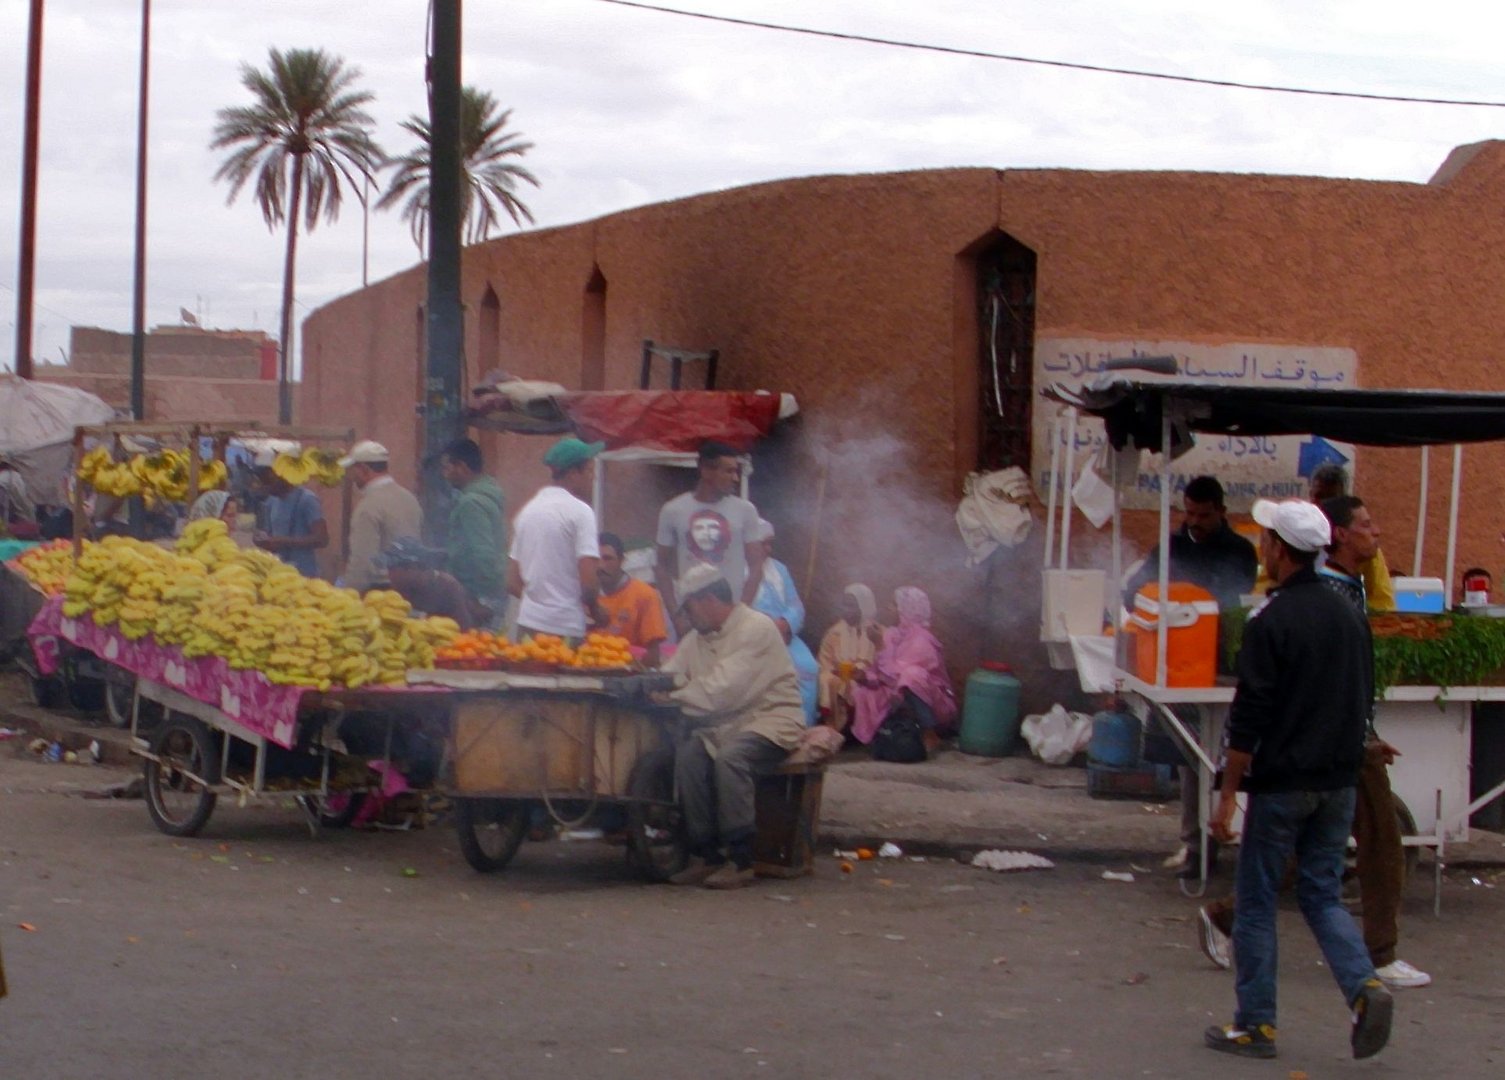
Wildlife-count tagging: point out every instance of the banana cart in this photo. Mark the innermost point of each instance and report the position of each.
(1432, 725)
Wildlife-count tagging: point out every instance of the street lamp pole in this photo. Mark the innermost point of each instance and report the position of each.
(26, 273)
(138, 292)
(441, 398)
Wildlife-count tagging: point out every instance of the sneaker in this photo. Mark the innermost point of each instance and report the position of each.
(696, 872)
(1255, 1042)
(729, 876)
(1177, 859)
(1214, 942)
(1372, 1009)
(1399, 975)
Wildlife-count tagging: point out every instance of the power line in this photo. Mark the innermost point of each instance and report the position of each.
(1068, 64)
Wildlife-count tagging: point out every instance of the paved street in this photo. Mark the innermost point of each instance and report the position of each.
(257, 951)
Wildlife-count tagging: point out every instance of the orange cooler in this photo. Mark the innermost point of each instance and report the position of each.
(1191, 643)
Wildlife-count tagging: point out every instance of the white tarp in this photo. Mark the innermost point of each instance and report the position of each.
(36, 430)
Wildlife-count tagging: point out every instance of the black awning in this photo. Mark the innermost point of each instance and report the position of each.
(1132, 412)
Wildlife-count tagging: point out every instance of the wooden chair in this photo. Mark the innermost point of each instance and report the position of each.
(677, 359)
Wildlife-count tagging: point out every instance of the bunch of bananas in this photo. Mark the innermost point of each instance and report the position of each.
(211, 598)
(47, 566)
(315, 463)
(163, 475)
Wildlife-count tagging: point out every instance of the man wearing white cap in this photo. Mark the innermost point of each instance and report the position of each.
(290, 521)
(739, 686)
(1295, 744)
(384, 513)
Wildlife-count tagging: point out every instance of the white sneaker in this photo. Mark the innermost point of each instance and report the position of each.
(1214, 942)
(1177, 859)
(1399, 975)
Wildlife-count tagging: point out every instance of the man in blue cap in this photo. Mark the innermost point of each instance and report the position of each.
(554, 547)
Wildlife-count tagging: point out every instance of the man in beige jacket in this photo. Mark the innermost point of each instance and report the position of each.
(737, 683)
(384, 513)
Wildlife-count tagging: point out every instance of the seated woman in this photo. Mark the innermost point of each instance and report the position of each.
(847, 646)
(908, 670)
(778, 600)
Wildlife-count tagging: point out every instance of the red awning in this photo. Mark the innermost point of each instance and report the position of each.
(674, 420)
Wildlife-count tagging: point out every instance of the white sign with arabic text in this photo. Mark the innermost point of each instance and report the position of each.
(1248, 467)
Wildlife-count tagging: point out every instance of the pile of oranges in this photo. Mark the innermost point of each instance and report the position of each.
(603, 651)
(47, 566)
(483, 650)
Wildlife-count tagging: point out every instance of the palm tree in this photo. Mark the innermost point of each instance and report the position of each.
(489, 179)
(306, 134)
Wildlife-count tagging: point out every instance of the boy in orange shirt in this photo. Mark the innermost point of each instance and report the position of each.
(633, 609)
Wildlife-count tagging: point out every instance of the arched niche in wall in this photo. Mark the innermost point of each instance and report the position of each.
(994, 353)
(489, 346)
(593, 333)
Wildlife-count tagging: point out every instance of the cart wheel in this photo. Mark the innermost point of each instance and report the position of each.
(491, 830)
(657, 846)
(336, 811)
(46, 691)
(179, 804)
(87, 695)
(119, 697)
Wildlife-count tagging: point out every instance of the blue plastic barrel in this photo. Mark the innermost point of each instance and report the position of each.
(1115, 740)
(990, 712)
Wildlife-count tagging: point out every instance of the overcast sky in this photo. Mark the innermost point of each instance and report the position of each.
(630, 107)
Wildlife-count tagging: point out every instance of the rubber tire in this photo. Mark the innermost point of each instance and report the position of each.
(46, 691)
(340, 819)
(86, 695)
(653, 778)
(472, 815)
(203, 752)
(119, 698)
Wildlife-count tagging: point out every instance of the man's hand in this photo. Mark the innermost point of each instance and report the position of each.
(1387, 753)
(267, 543)
(1221, 825)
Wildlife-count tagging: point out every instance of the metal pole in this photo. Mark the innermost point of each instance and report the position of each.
(26, 273)
(441, 403)
(138, 295)
(1161, 632)
(1447, 582)
(1421, 511)
(1067, 478)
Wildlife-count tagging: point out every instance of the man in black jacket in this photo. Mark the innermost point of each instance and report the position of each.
(1296, 734)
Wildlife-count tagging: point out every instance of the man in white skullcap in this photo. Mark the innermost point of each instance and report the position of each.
(737, 683)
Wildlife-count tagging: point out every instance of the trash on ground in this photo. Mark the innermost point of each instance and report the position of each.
(846, 867)
(865, 854)
(1114, 875)
(890, 851)
(9, 733)
(27, 927)
(409, 871)
(1011, 860)
(840, 854)
(582, 834)
(1139, 978)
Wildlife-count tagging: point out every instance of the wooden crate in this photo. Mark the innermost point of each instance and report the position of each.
(788, 815)
(525, 745)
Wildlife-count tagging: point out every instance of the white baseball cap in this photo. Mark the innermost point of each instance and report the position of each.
(365, 452)
(697, 579)
(1299, 523)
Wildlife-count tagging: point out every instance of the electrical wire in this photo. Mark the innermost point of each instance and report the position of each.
(1100, 69)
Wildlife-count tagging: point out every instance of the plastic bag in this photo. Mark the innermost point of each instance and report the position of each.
(1058, 736)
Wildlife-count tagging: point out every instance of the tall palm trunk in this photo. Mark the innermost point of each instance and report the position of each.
(284, 367)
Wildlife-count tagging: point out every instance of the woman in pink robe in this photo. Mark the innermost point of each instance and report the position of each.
(909, 660)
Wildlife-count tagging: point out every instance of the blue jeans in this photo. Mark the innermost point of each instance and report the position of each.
(1315, 825)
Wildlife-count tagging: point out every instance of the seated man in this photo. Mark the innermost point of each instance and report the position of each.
(740, 688)
(633, 609)
(412, 568)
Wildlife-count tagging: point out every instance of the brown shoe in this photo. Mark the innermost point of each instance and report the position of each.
(696, 872)
(729, 876)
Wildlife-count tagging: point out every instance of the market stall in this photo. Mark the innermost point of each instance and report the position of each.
(1431, 722)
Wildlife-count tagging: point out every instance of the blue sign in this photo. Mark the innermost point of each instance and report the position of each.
(1316, 453)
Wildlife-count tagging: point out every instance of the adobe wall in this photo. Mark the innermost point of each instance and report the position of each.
(856, 294)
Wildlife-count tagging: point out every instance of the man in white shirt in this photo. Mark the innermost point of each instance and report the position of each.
(384, 513)
(554, 548)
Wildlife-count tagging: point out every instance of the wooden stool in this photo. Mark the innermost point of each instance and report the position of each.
(787, 803)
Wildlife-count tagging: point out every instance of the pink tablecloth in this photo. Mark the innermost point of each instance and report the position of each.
(246, 697)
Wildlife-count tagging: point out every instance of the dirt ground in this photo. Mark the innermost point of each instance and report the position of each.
(256, 950)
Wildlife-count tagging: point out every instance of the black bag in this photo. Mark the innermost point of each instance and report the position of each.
(900, 737)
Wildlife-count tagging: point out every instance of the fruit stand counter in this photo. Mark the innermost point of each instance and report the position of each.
(564, 744)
